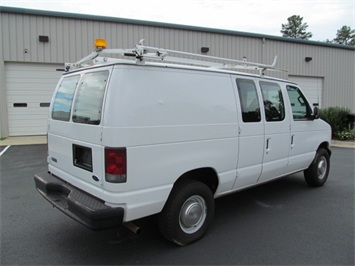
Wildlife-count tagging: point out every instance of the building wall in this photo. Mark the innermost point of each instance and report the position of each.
(336, 67)
(71, 37)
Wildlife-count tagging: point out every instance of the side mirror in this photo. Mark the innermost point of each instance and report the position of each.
(315, 112)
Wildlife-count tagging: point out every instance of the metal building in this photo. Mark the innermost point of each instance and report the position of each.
(35, 43)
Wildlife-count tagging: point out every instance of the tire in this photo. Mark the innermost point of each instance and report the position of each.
(187, 213)
(317, 173)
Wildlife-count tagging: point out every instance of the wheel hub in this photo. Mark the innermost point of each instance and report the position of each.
(192, 214)
(322, 168)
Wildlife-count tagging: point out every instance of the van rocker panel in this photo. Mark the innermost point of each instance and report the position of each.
(78, 205)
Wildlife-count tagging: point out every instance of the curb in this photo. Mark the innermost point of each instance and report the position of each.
(24, 140)
(343, 144)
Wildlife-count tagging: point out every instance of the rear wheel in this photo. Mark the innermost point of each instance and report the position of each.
(317, 173)
(187, 213)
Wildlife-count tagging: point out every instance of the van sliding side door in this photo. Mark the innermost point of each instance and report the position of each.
(277, 130)
(251, 132)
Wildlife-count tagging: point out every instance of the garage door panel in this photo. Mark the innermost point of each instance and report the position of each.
(39, 123)
(311, 86)
(30, 113)
(29, 130)
(29, 90)
(22, 85)
(25, 98)
(31, 124)
(19, 69)
(41, 120)
(30, 99)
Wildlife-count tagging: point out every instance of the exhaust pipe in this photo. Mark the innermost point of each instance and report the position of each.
(133, 228)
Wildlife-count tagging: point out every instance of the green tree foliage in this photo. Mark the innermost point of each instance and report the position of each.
(295, 28)
(345, 36)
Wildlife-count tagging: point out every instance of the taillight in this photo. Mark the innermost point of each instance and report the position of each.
(116, 165)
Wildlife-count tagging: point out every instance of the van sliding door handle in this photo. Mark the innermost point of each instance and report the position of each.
(292, 140)
(267, 145)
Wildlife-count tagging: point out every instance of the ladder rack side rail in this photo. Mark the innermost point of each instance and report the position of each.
(211, 65)
(188, 61)
(234, 61)
(161, 55)
(140, 52)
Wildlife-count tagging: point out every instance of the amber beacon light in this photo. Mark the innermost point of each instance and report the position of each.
(100, 44)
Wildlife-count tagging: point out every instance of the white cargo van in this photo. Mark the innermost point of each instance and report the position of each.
(132, 138)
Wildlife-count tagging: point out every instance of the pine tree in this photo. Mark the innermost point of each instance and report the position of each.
(345, 36)
(295, 28)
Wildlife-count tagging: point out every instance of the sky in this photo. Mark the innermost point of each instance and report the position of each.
(324, 17)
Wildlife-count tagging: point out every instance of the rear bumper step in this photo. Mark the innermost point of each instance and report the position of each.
(78, 205)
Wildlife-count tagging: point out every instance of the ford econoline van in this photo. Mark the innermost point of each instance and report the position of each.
(132, 138)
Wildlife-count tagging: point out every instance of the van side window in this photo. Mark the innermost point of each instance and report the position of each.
(273, 101)
(249, 100)
(63, 98)
(88, 101)
(299, 105)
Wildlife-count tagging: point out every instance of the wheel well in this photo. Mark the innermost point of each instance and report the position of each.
(206, 175)
(325, 145)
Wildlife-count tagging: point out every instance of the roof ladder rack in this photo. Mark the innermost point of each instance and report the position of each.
(142, 52)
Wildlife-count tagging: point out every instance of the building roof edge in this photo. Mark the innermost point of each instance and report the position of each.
(6, 9)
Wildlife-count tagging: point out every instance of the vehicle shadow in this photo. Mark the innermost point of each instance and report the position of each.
(121, 246)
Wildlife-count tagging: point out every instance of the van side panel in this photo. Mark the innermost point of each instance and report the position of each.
(171, 122)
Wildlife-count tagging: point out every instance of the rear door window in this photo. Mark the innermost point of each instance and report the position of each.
(64, 97)
(88, 102)
(249, 100)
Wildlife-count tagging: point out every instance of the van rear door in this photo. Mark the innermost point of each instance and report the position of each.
(251, 132)
(75, 153)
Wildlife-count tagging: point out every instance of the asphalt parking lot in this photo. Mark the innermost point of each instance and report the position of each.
(280, 223)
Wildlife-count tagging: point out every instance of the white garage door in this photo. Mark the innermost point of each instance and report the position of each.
(312, 87)
(29, 89)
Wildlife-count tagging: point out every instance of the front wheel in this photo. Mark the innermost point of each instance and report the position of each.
(187, 213)
(317, 173)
